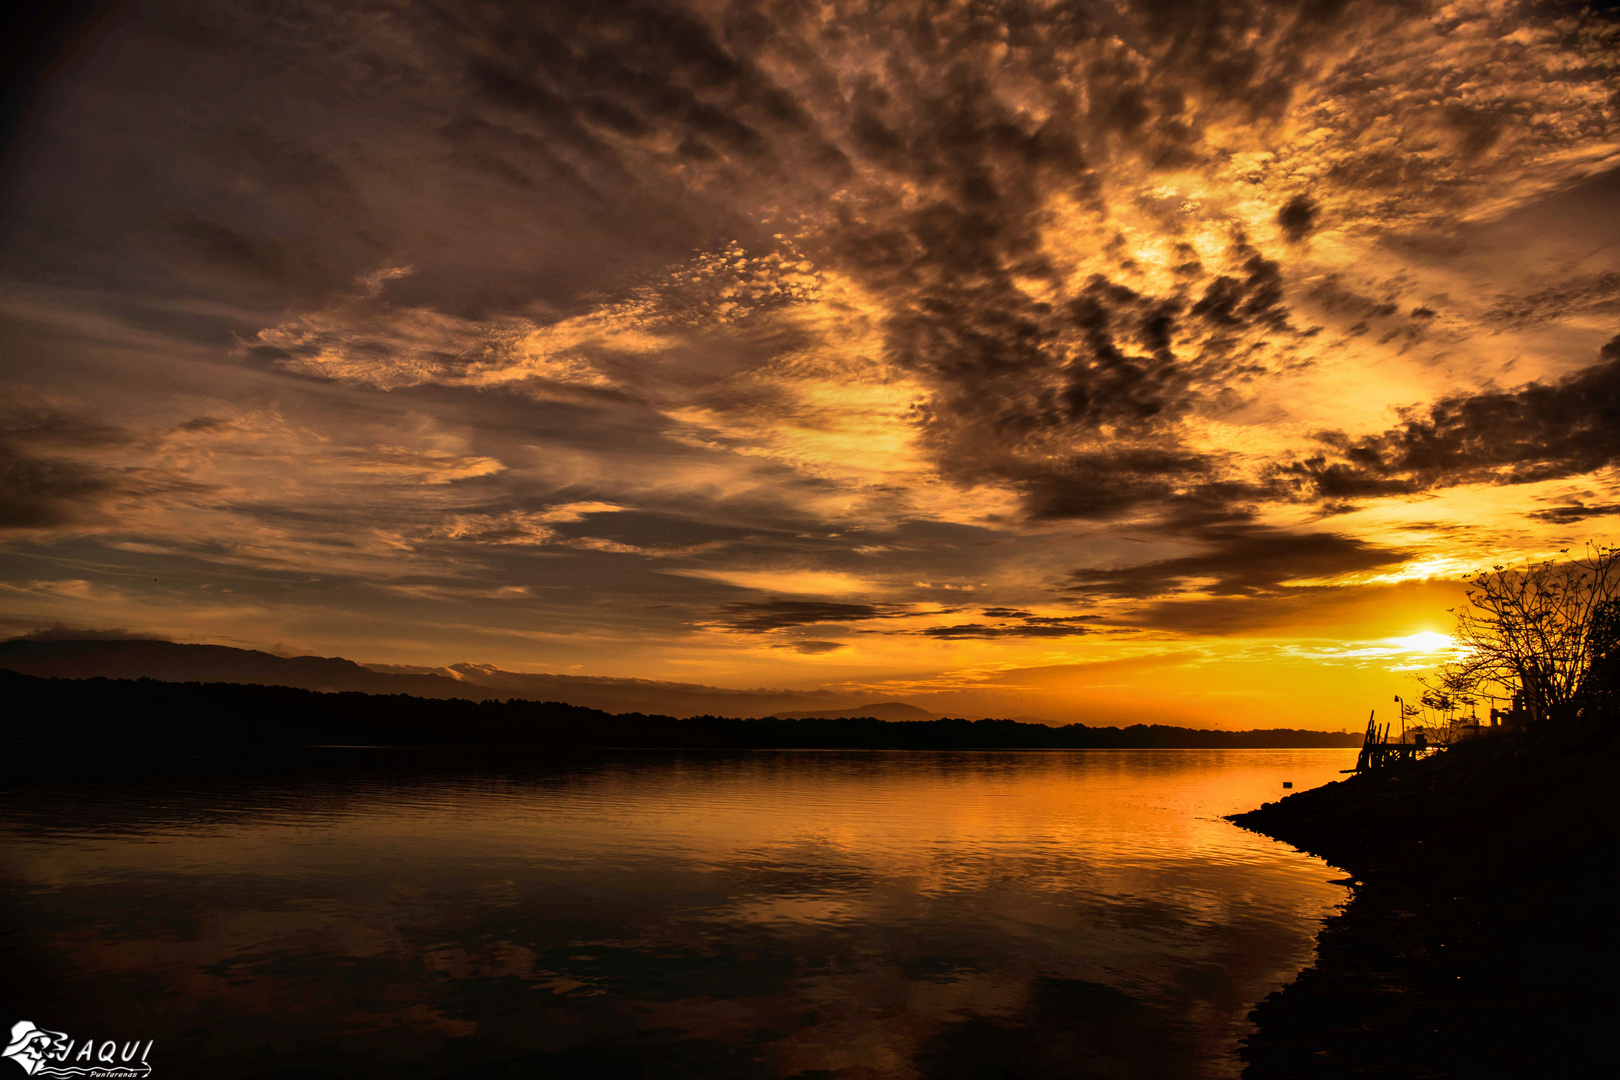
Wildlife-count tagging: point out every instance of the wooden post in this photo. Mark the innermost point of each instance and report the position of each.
(1369, 743)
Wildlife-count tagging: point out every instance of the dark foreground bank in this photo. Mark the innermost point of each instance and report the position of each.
(203, 717)
(1481, 939)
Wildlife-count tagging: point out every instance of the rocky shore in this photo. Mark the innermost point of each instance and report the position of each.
(1481, 939)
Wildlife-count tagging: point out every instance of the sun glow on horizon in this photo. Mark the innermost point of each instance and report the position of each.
(1427, 641)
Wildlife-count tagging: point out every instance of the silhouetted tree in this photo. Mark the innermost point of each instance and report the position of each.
(1603, 681)
(1548, 634)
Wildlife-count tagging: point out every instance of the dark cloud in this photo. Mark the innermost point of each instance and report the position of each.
(1297, 218)
(813, 648)
(1051, 629)
(41, 492)
(1536, 432)
(761, 616)
(27, 417)
(1013, 623)
(1573, 512)
(1332, 295)
(1080, 403)
(40, 489)
(45, 480)
(1185, 486)
(1107, 483)
(223, 248)
(1239, 562)
(1577, 295)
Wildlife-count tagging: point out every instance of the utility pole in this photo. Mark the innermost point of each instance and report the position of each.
(1402, 710)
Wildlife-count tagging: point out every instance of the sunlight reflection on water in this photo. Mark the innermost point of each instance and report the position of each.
(728, 914)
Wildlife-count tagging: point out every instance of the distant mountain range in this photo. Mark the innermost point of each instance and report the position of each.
(169, 661)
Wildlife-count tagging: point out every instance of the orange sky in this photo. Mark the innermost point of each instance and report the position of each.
(1098, 362)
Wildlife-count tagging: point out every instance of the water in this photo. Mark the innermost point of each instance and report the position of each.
(862, 914)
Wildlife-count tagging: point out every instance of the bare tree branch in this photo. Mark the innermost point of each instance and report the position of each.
(1545, 635)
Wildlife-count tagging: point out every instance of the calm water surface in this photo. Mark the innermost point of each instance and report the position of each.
(862, 914)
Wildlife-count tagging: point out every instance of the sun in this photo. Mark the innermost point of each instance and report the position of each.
(1427, 642)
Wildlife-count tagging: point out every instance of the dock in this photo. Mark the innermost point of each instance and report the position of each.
(1377, 751)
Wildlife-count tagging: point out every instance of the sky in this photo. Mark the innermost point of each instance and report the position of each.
(1145, 360)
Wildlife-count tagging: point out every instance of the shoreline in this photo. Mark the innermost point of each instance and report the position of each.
(1479, 939)
(246, 716)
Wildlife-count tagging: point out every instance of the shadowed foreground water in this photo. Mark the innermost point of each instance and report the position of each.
(863, 914)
